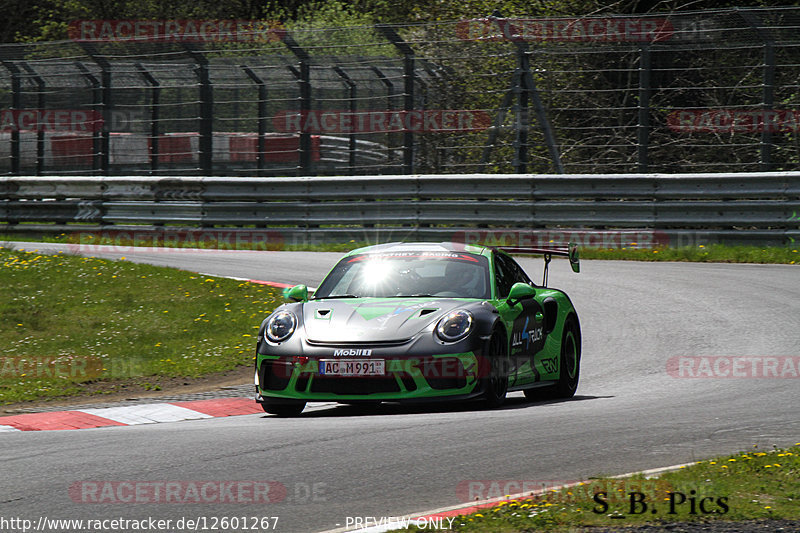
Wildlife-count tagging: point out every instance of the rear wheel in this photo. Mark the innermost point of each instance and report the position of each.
(496, 382)
(283, 407)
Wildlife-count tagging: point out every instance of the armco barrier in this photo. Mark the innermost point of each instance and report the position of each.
(753, 207)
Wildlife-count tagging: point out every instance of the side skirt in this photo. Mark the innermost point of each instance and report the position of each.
(535, 385)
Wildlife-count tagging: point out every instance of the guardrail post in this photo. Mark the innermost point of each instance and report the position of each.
(643, 133)
(155, 97)
(408, 90)
(262, 116)
(303, 74)
(16, 88)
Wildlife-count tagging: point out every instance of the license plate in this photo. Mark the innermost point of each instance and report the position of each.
(352, 367)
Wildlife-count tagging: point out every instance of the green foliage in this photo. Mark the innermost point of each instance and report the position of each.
(70, 320)
(47, 20)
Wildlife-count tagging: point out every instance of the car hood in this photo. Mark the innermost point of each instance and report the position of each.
(364, 320)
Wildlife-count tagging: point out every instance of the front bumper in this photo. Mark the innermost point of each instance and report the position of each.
(405, 378)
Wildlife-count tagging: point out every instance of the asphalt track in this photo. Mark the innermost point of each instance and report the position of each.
(336, 462)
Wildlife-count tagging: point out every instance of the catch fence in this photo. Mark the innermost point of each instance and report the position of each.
(702, 91)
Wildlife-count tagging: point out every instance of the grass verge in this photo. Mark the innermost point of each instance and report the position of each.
(752, 485)
(712, 253)
(70, 321)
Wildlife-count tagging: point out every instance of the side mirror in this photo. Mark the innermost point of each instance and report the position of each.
(298, 293)
(520, 291)
(574, 258)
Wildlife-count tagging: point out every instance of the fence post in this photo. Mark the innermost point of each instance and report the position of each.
(390, 92)
(526, 89)
(16, 103)
(206, 142)
(154, 106)
(351, 98)
(541, 116)
(408, 91)
(521, 117)
(643, 133)
(105, 105)
(262, 116)
(40, 103)
(769, 103)
(96, 102)
(303, 74)
(768, 80)
(498, 122)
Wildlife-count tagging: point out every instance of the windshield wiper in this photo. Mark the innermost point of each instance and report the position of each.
(418, 295)
(336, 296)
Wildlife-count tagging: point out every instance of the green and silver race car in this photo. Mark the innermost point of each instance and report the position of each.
(421, 321)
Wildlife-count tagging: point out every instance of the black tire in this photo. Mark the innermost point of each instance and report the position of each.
(284, 408)
(569, 366)
(495, 383)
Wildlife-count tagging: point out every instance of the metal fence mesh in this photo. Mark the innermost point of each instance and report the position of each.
(684, 92)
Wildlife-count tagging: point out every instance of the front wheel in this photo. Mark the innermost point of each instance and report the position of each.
(496, 382)
(284, 408)
(570, 361)
(569, 366)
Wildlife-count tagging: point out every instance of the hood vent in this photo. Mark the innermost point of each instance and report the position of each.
(425, 312)
(324, 314)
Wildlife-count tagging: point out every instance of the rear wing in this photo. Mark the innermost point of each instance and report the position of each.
(570, 251)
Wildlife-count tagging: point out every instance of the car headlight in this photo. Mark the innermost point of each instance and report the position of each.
(280, 326)
(454, 325)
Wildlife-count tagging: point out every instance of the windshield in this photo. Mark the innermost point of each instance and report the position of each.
(441, 274)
